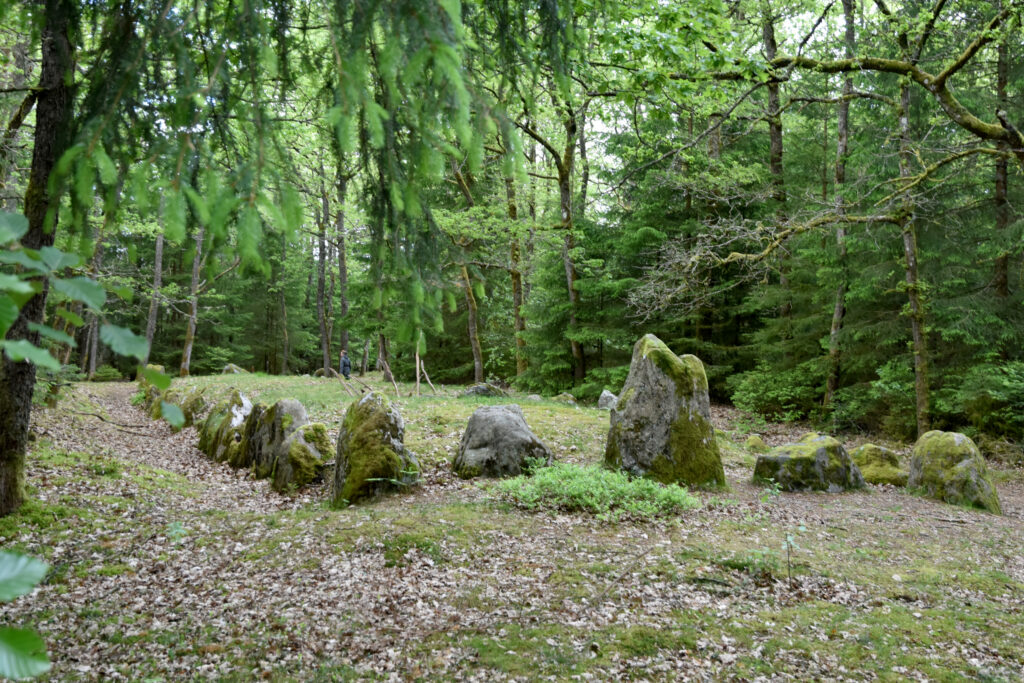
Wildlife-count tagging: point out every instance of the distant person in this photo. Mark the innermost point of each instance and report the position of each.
(346, 364)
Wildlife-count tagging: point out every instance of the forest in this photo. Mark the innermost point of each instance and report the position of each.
(822, 201)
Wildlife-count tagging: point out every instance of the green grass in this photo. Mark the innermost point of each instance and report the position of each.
(595, 490)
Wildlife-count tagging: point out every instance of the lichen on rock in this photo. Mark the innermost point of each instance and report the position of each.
(661, 427)
(815, 463)
(300, 460)
(879, 465)
(371, 455)
(948, 466)
(756, 444)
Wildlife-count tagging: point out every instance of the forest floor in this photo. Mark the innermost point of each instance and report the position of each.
(166, 566)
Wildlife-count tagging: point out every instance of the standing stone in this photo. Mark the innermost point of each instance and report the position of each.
(300, 459)
(607, 400)
(815, 463)
(948, 466)
(497, 443)
(661, 427)
(221, 434)
(372, 457)
(265, 435)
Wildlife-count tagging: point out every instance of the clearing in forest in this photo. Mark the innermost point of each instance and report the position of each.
(165, 565)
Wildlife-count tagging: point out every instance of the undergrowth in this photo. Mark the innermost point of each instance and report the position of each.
(605, 493)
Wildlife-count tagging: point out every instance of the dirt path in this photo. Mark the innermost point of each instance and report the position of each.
(167, 565)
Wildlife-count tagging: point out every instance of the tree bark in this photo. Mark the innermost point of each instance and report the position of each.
(342, 261)
(154, 302)
(321, 267)
(474, 337)
(282, 303)
(193, 306)
(908, 232)
(53, 132)
(516, 274)
(774, 106)
(842, 141)
(1001, 280)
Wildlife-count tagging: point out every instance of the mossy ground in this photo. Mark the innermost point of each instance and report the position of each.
(152, 580)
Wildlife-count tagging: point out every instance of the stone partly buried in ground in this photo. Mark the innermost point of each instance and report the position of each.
(607, 400)
(661, 427)
(816, 462)
(497, 443)
(948, 466)
(482, 389)
(371, 455)
(879, 465)
(221, 434)
(756, 444)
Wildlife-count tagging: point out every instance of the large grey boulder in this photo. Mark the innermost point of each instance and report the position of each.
(661, 427)
(497, 443)
(948, 466)
(371, 454)
(232, 369)
(220, 436)
(815, 463)
(607, 400)
(301, 458)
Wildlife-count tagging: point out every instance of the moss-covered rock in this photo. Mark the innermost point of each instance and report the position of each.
(661, 427)
(879, 465)
(371, 455)
(497, 443)
(815, 463)
(564, 397)
(232, 369)
(948, 466)
(223, 443)
(756, 444)
(301, 458)
(482, 389)
(266, 431)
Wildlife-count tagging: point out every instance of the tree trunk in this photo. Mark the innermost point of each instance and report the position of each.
(474, 337)
(364, 366)
(193, 306)
(908, 232)
(774, 106)
(282, 303)
(321, 267)
(154, 302)
(842, 138)
(53, 132)
(565, 169)
(382, 358)
(342, 262)
(516, 273)
(1001, 280)
(92, 347)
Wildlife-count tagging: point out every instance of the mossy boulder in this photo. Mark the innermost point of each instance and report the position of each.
(564, 397)
(301, 457)
(756, 444)
(232, 369)
(879, 465)
(208, 428)
(224, 441)
(815, 463)
(948, 466)
(265, 434)
(482, 389)
(371, 454)
(497, 443)
(661, 427)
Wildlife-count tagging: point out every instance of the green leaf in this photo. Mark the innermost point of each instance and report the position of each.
(71, 317)
(158, 379)
(12, 283)
(123, 292)
(24, 258)
(55, 259)
(105, 167)
(82, 289)
(19, 574)
(172, 414)
(174, 218)
(12, 226)
(55, 335)
(8, 314)
(23, 350)
(123, 341)
(22, 653)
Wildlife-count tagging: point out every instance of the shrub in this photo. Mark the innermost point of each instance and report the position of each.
(49, 383)
(107, 373)
(992, 397)
(787, 395)
(605, 493)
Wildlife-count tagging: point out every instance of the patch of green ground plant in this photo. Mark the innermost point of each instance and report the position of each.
(593, 489)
